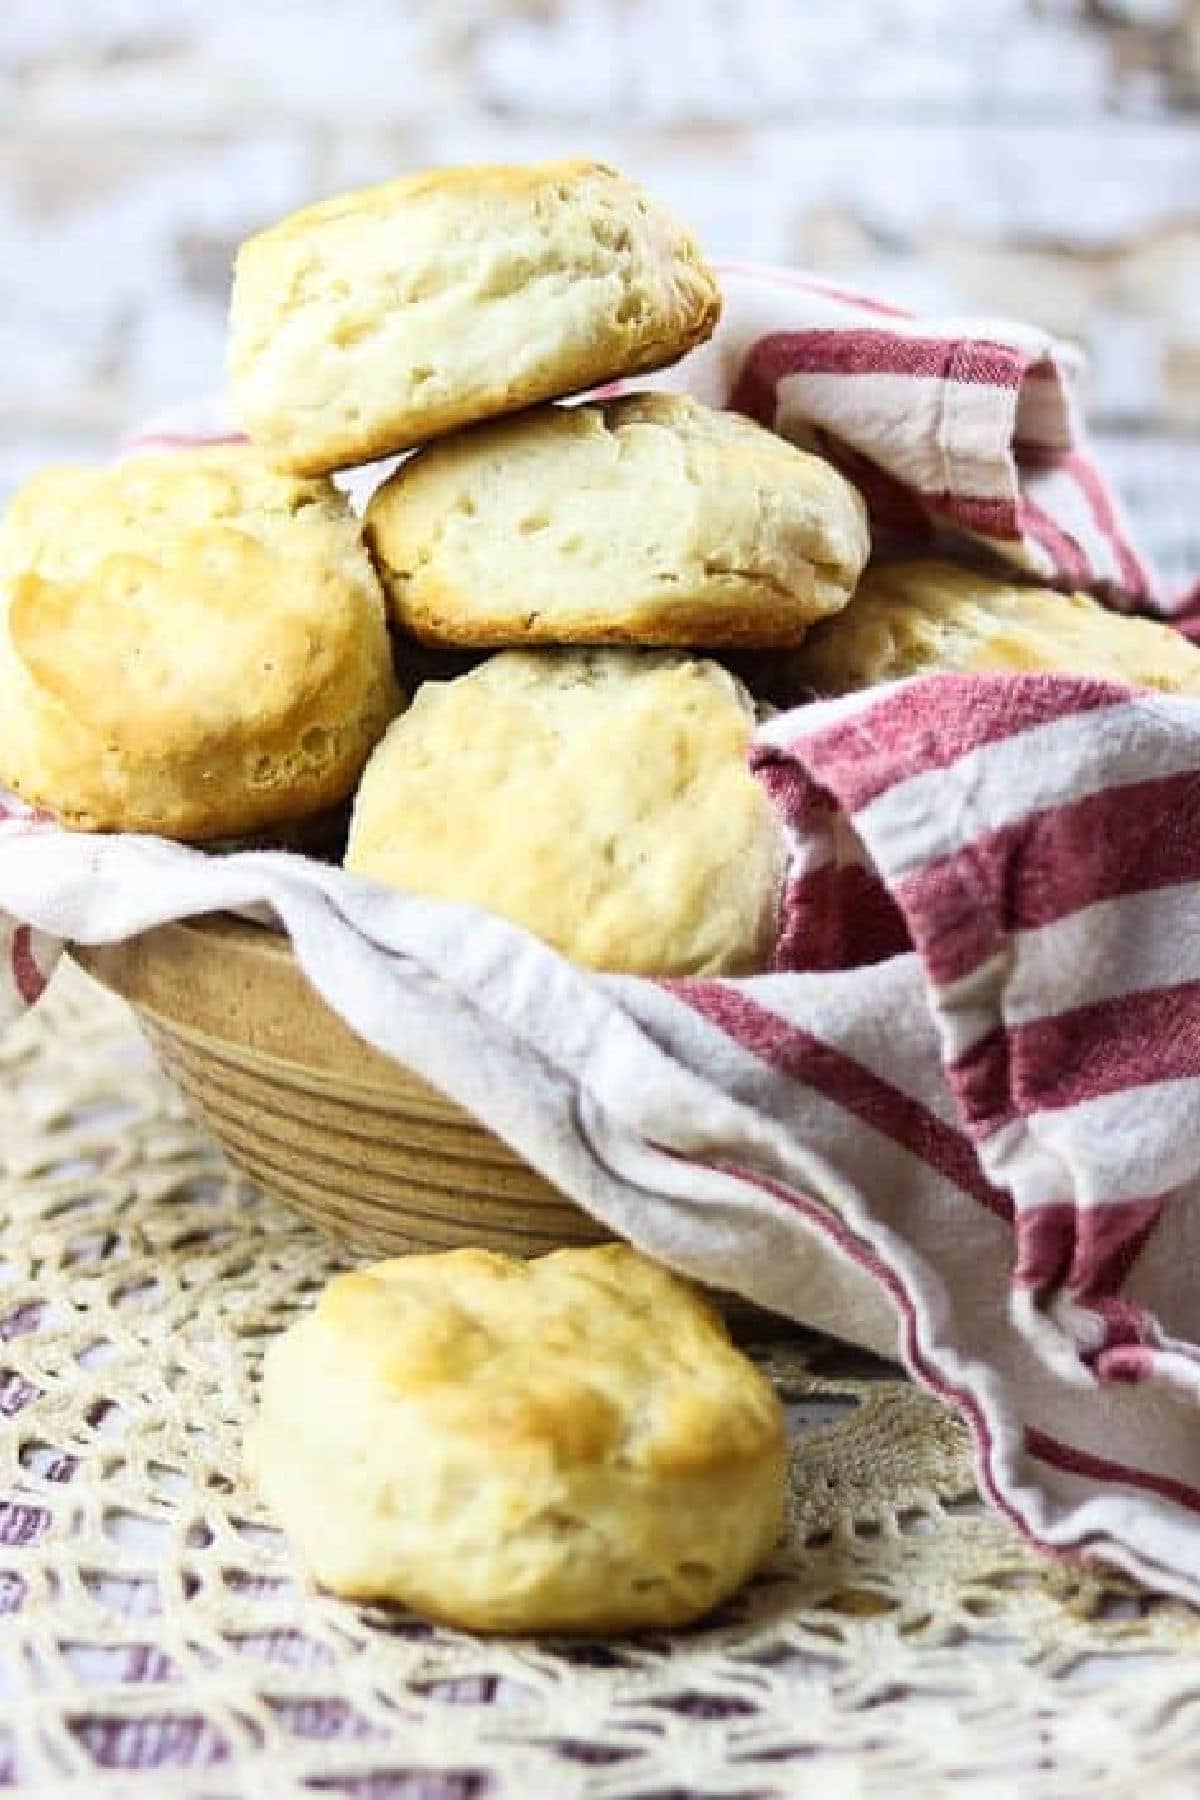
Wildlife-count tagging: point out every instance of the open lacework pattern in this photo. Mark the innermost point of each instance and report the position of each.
(155, 1639)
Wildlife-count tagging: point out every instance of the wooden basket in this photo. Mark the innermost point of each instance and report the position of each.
(342, 1134)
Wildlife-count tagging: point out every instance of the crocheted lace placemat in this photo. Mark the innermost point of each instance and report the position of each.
(154, 1640)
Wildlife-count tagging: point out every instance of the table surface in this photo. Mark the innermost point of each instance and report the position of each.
(156, 1641)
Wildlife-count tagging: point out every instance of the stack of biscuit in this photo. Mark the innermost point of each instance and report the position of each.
(212, 647)
(519, 668)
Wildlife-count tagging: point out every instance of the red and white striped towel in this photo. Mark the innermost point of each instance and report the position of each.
(961, 1121)
(962, 427)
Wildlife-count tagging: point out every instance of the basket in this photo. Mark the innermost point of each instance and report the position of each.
(349, 1139)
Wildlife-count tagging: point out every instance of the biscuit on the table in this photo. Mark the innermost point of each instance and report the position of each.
(570, 1444)
(371, 322)
(648, 519)
(600, 798)
(914, 618)
(191, 644)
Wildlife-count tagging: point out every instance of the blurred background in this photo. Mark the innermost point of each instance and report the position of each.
(1036, 157)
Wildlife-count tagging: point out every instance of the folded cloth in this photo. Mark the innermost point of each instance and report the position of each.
(959, 1122)
(967, 428)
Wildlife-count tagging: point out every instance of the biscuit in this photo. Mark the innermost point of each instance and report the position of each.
(645, 520)
(570, 1444)
(190, 644)
(914, 618)
(377, 320)
(600, 799)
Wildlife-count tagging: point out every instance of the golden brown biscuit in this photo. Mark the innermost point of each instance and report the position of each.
(600, 799)
(645, 520)
(190, 644)
(571, 1444)
(914, 618)
(383, 318)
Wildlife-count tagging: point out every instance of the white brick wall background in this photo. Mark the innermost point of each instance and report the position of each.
(1032, 156)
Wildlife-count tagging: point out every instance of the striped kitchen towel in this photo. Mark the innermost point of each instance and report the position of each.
(967, 428)
(960, 1120)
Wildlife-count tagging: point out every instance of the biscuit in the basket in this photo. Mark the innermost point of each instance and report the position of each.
(914, 618)
(191, 644)
(649, 519)
(377, 320)
(599, 798)
(570, 1444)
